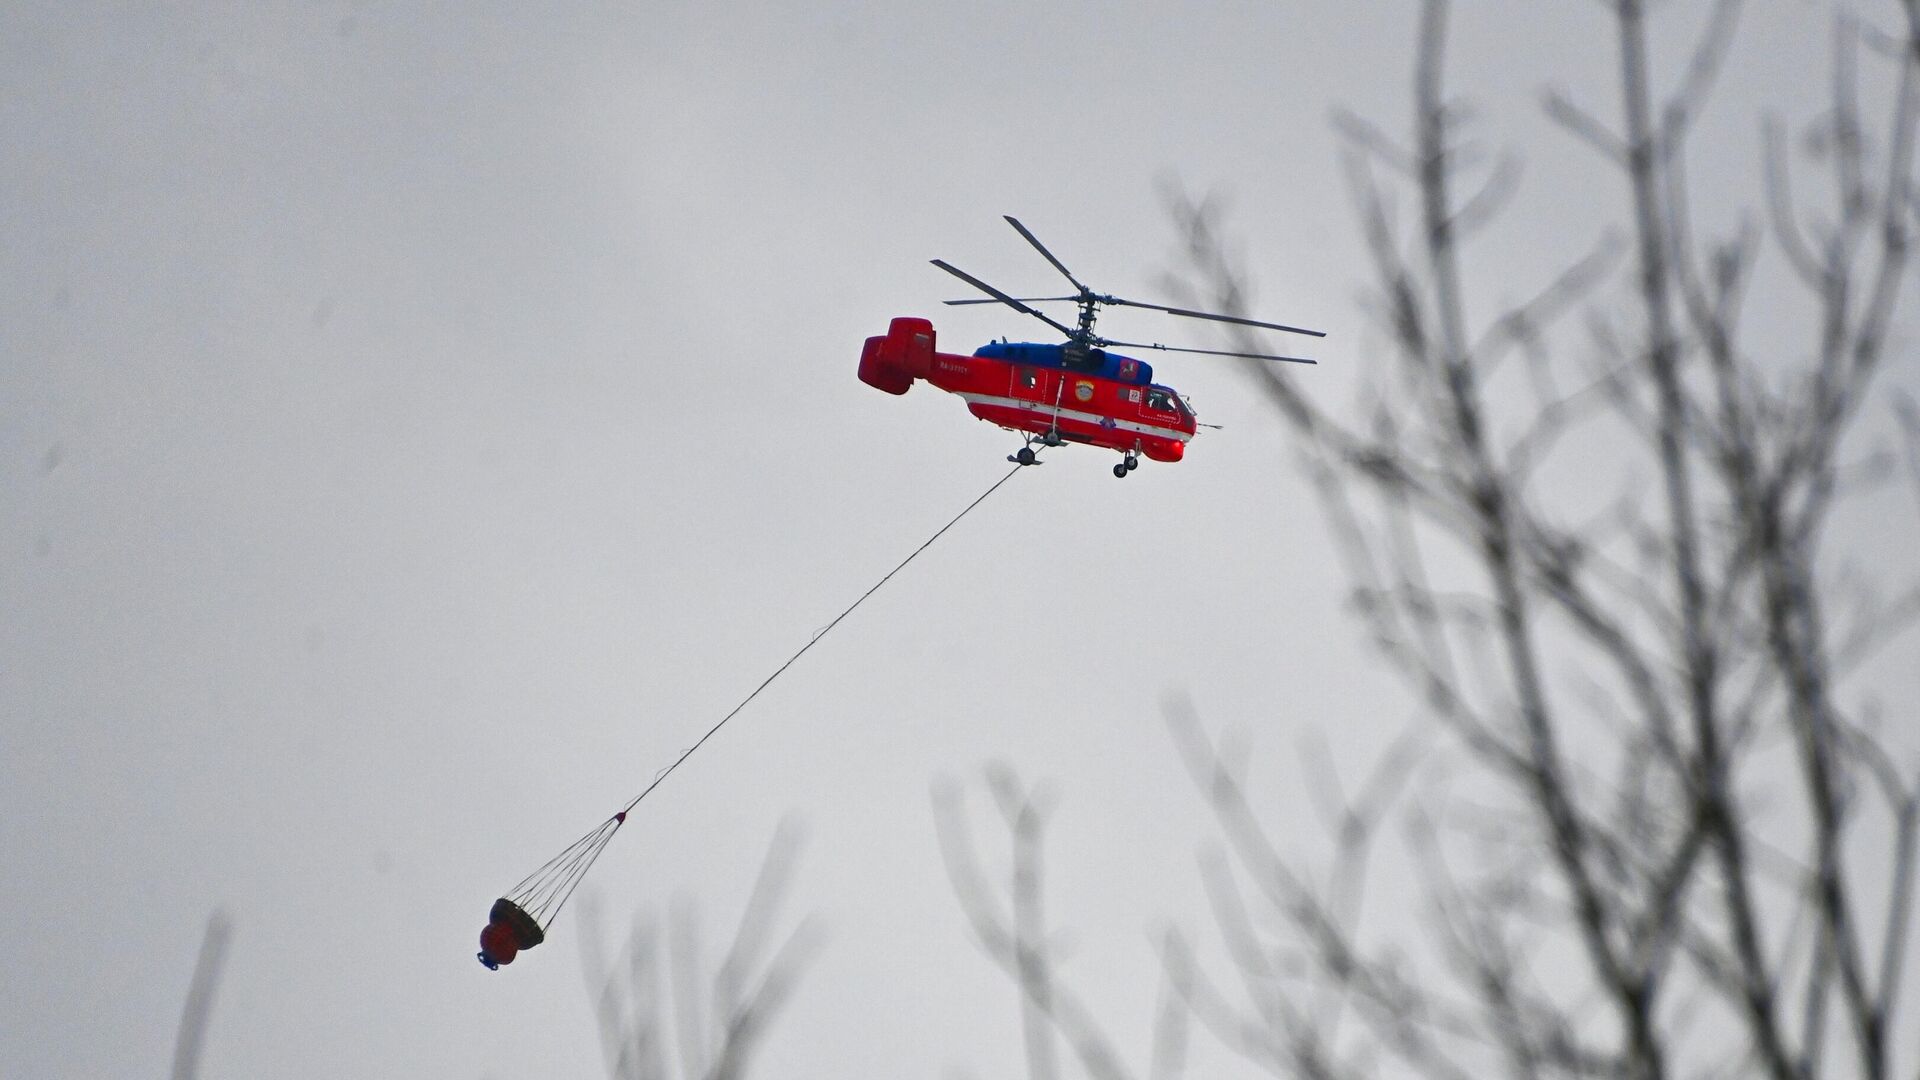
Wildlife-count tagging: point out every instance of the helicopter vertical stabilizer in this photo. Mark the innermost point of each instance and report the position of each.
(891, 363)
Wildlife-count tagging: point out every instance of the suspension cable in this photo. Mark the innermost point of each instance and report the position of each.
(546, 890)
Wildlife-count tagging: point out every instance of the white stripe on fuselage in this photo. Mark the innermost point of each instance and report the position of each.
(1095, 419)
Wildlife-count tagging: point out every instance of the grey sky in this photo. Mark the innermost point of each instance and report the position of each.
(420, 421)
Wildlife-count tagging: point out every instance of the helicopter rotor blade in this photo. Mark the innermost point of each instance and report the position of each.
(1235, 319)
(998, 295)
(1022, 299)
(1042, 249)
(1207, 352)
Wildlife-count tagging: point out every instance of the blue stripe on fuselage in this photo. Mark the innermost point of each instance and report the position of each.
(1099, 362)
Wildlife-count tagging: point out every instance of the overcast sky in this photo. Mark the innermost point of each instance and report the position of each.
(418, 422)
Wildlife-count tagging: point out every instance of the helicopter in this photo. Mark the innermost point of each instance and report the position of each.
(1050, 394)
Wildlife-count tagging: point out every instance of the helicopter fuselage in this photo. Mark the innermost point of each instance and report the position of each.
(1065, 391)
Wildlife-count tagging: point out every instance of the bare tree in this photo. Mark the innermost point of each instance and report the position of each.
(658, 1016)
(1665, 837)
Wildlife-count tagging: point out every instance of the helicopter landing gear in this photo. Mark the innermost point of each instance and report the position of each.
(1026, 454)
(1127, 465)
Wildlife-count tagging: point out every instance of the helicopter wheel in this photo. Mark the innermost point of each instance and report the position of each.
(1121, 470)
(1131, 461)
(1051, 438)
(1024, 456)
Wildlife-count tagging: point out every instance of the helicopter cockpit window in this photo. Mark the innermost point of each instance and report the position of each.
(1160, 400)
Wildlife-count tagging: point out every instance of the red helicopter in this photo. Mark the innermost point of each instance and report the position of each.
(1075, 391)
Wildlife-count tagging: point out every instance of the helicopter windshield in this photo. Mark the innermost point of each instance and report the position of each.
(1162, 399)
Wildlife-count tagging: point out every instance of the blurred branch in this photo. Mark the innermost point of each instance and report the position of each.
(660, 989)
(1018, 942)
(1582, 124)
(198, 1011)
(1624, 684)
